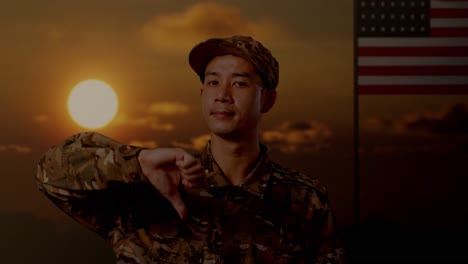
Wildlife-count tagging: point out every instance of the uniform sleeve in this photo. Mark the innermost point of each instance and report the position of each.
(90, 177)
(324, 243)
(330, 249)
(309, 203)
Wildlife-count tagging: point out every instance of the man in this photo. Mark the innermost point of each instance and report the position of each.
(229, 204)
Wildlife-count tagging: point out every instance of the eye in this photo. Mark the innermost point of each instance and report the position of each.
(211, 82)
(240, 84)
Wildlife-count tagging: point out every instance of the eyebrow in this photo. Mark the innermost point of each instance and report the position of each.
(235, 74)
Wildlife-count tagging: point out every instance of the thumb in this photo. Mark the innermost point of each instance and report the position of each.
(178, 205)
(179, 159)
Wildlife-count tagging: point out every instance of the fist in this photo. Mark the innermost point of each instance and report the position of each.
(167, 169)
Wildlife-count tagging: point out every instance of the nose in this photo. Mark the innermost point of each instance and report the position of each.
(224, 94)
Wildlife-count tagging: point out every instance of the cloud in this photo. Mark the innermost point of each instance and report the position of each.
(449, 120)
(150, 116)
(144, 121)
(290, 137)
(40, 118)
(15, 148)
(168, 108)
(144, 144)
(179, 31)
(196, 143)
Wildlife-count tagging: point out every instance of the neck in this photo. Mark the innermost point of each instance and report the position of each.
(235, 158)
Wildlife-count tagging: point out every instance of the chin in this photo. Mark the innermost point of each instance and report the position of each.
(221, 131)
(217, 127)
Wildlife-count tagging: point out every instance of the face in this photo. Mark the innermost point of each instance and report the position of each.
(232, 97)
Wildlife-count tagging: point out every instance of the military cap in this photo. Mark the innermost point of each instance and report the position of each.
(242, 46)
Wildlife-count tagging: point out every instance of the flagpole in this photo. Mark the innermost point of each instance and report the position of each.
(356, 196)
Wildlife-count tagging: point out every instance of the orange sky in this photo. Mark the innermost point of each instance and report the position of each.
(141, 50)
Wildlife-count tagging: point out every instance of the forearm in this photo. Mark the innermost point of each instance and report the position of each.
(86, 162)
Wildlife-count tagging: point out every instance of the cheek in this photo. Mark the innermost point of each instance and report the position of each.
(250, 106)
(257, 101)
(206, 95)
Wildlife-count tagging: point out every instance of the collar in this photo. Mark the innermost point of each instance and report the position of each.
(255, 183)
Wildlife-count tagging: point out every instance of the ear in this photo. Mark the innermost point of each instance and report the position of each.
(269, 99)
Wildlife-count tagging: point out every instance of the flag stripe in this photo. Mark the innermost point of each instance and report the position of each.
(449, 32)
(452, 23)
(412, 70)
(449, 12)
(412, 80)
(412, 42)
(413, 51)
(413, 89)
(411, 61)
(449, 4)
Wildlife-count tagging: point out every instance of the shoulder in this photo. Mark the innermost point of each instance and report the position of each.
(296, 181)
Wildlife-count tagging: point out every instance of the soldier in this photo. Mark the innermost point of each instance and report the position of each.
(228, 204)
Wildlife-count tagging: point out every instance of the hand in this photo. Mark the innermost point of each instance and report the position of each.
(167, 168)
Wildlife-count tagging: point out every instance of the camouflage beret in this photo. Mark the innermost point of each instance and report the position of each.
(242, 46)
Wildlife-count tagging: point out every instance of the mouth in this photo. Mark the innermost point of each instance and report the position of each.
(222, 113)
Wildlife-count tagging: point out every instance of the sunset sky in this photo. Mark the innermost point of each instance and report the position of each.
(140, 48)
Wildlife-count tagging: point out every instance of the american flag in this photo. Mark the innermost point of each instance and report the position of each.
(411, 47)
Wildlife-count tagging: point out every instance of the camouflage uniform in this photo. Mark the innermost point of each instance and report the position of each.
(276, 215)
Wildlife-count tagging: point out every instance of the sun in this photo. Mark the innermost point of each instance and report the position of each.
(92, 104)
